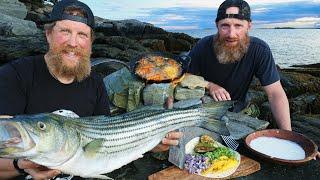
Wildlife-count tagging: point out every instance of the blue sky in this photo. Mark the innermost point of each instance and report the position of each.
(200, 14)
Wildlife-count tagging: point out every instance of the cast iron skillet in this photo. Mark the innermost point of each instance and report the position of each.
(183, 60)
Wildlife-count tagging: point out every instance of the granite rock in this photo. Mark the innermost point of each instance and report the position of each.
(192, 81)
(187, 103)
(181, 93)
(124, 89)
(157, 94)
(12, 26)
(17, 47)
(13, 8)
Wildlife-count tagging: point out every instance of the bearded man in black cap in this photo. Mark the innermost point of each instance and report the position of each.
(230, 59)
(60, 79)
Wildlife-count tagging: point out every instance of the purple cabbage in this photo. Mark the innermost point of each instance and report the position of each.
(194, 164)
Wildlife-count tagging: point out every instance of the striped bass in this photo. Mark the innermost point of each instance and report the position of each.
(92, 146)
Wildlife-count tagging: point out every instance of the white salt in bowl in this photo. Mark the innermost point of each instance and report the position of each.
(271, 144)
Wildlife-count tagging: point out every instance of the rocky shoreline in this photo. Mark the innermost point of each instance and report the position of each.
(21, 34)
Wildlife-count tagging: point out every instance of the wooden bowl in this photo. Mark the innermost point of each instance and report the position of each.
(307, 144)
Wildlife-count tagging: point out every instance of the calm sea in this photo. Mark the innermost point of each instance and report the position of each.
(289, 46)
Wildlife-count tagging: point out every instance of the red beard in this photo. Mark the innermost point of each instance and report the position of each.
(58, 66)
(227, 54)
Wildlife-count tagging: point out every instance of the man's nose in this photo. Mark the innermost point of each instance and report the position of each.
(72, 41)
(232, 32)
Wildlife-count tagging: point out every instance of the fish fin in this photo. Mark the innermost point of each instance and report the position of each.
(100, 177)
(66, 113)
(217, 126)
(92, 147)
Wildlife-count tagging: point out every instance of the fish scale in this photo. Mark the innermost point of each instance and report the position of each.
(104, 142)
(129, 142)
(117, 136)
(139, 115)
(117, 119)
(136, 123)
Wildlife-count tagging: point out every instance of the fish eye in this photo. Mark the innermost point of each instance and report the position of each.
(41, 126)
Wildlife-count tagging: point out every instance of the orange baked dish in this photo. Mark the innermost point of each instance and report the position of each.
(158, 68)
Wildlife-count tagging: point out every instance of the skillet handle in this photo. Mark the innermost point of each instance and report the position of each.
(185, 60)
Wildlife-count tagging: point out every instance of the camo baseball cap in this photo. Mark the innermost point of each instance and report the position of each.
(58, 12)
(244, 10)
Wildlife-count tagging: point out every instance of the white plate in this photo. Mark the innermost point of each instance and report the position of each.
(189, 150)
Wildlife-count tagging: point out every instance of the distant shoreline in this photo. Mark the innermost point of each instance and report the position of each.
(208, 29)
(287, 28)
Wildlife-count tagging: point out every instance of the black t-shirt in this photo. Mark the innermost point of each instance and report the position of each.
(27, 87)
(235, 77)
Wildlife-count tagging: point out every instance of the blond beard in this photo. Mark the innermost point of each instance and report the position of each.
(226, 54)
(58, 68)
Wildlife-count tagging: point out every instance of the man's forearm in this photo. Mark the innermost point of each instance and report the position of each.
(8, 174)
(7, 170)
(6, 164)
(279, 105)
(280, 109)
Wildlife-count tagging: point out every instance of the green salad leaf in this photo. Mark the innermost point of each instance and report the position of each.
(218, 152)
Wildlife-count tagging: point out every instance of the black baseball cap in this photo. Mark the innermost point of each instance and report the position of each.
(244, 10)
(58, 14)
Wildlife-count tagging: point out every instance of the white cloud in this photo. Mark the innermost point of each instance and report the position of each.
(308, 19)
(305, 22)
(157, 23)
(141, 4)
(146, 4)
(260, 10)
(199, 3)
(127, 9)
(169, 17)
(179, 27)
(259, 2)
(260, 22)
(216, 4)
(165, 18)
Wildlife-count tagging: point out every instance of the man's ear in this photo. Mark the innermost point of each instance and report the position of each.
(48, 32)
(250, 25)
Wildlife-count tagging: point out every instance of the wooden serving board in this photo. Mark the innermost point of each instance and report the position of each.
(247, 167)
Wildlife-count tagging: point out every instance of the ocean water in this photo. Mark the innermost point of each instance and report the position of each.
(289, 46)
